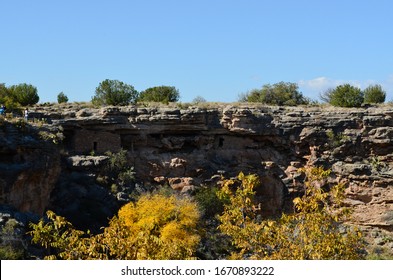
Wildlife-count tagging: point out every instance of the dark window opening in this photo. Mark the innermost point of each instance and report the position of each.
(220, 142)
(95, 146)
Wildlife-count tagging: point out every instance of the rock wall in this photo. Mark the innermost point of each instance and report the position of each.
(29, 168)
(186, 147)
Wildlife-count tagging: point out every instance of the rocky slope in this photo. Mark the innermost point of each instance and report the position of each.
(184, 148)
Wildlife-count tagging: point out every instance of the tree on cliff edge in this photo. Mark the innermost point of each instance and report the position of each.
(24, 94)
(163, 94)
(344, 96)
(114, 92)
(281, 93)
(374, 94)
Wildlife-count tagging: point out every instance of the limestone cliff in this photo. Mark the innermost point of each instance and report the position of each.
(186, 147)
(29, 167)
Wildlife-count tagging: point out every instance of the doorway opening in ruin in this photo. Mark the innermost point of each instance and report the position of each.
(220, 142)
(95, 144)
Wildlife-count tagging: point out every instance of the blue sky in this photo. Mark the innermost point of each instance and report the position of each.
(217, 49)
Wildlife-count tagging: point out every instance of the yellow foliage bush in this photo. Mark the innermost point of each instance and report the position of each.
(155, 227)
(160, 226)
(314, 231)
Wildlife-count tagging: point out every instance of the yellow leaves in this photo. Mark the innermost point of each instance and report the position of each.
(297, 202)
(154, 227)
(172, 231)
(165, 227)
(164, 222)
(314, 231)
(127, 214)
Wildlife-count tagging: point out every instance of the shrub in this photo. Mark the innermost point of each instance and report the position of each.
(344, 96)
(163, 94)
(199, 99)
(117, 170)
(114, 92)
(208, 201)
(62, 98)
(281, 93)
(24, 94)
(154, 227)
(374, 94)
(12, 245)
(314, 231)
(7, 99)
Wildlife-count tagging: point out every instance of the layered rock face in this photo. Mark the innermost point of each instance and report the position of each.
(187, 147)
(184, 148)
(29, 168)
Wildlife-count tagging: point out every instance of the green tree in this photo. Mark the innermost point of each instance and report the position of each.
(24, 94)
(3, 91)
(163, 94)
(344, 96)
(282, 93)
(117, 170)
(7, 98)
(254, 95)
(374, 94)
(114, 92)
(4, 94)
(62, 98)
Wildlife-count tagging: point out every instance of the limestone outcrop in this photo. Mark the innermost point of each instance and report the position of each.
(186, 147)
(29, 168)
(173, 145)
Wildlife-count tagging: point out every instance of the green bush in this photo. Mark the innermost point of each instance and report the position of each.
(209, 202)
(114, 92)
(117, 170)
(11, 241)
(374, 94)
(8, 252)
(344, 96)
(281, 93)
(24, 94)
(163, 94)
(62, 98)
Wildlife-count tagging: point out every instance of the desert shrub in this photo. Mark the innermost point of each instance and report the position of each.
(199, 99)
(374, 94)
(18, 95)
(163, 94)
(118, 168)
(281, 93)
(24, 94)
(344, 96)
(62, 98)
(208, 201)
(114, 92)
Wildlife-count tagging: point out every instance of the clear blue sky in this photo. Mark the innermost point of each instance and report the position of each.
(212, 48)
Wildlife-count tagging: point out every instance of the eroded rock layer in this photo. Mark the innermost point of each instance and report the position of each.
(186, 147)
